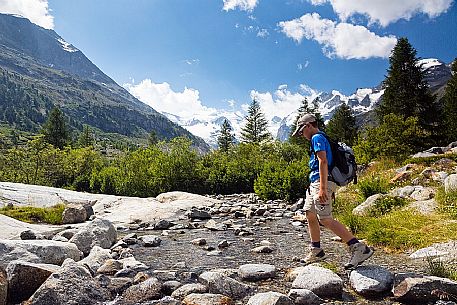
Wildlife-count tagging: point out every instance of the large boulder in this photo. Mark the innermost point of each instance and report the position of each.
(37, 251)
(371, 280)
(256, 272)
(100, 232)
(96, 258)
(206, 299)
(221, 284)
(450, 183)
(25, 278)
(72, 284)
(74, 213)
(423, 289)
(363, 208)
(187, 289)
(270, 298)
(323, 282)
(144, 291)
(304, 297)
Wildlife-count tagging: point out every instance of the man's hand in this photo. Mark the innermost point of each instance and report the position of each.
(323, 198)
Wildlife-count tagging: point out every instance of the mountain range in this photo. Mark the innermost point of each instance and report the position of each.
(362, 102)
(40, 70)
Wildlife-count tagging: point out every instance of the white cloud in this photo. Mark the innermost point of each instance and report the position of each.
(385, 12)
(244, 5)
(341, 40)
(263, 33)
(282, 102)
(191, 62)
(162, 98)
(301, 66)
(36, 11)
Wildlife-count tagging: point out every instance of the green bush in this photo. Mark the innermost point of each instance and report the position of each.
(372, 185)
(51, 215)
(395, 138)
(279, 180)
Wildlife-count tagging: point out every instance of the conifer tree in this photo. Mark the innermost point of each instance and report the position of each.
(86, 138)
(342, 125)
(450, 105)
(153, 139)
(304, 108)
(406, 91)
(255, 130)
(226, 138)
(55, 130)
(315, 110)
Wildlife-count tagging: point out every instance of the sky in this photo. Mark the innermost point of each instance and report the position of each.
(197, 57)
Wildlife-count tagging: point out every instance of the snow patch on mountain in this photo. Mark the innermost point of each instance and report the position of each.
(67, 46)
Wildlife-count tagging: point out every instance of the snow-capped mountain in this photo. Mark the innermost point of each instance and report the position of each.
(361, 102)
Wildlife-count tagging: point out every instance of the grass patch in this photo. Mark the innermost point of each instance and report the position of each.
(447, 202)
(386, 204)
(437, 267)
(51, 215)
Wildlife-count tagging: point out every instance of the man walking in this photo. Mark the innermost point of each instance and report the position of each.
(318, 201)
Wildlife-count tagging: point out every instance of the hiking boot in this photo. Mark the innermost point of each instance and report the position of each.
(314, 255)
(359, 253)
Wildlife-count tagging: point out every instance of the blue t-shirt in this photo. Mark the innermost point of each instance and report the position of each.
(318, 143)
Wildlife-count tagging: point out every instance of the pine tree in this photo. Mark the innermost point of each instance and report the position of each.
(304, 108)
(226, 138)
(55, 130)
(450, 106)
(255, 130)
(86, 138)
(342, 125)
(153, 139)
(315, 110)
(406, 91)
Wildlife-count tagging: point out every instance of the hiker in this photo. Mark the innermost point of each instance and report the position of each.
(318, 201)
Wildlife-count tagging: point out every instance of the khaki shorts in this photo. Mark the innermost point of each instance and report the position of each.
(313, 204)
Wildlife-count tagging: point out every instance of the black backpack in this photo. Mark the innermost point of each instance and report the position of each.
(343, 168)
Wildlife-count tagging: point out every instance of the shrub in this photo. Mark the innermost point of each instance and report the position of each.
(436, 267)
(372, 185)
(394, 138)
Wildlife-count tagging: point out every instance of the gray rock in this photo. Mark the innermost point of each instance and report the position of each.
(207, 299)
(420, 290)
(270, 298)
(363, 208)
(144, 291)
(68, 233)
(187, 289)
(168, 287)
(404, 192)
(221, 284)
(421, 194)
(25, 278)
(162, 224)
(118, 285)
(30, 235)
(37, 251)
(425, 207)
(167, 300)
(199, 241)
(214, 226)
(427, 252)
(95, 259)
(71, 282)
(450, 183)
(263, 249)
(371, 280)
(304, 297)
(150, 240)
(110, 267)
(99, 232)
(423, 155)
(198, 214)
(3, 287)
(256, 272)
(323, 282)
(74, 213)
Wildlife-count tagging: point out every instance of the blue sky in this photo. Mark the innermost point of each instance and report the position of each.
(191, 56)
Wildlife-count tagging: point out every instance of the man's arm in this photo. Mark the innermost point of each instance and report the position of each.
(323, 175)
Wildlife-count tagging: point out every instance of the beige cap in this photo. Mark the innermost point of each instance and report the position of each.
(302, 121)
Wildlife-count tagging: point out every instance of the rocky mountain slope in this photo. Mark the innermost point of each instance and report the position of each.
(39, 69)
